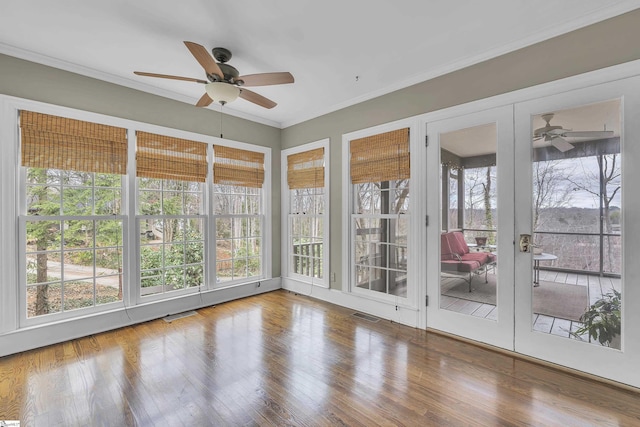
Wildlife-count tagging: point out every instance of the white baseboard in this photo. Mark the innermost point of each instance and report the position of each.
(43, 335)
(382, 309)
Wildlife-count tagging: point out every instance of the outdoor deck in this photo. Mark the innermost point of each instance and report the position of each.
(596, 288)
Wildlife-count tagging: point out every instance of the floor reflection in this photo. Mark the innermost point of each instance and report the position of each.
(284, 359)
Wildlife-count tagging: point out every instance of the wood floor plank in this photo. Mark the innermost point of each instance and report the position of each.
(285, 359)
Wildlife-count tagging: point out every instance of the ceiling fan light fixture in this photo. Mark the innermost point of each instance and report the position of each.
(222, 92)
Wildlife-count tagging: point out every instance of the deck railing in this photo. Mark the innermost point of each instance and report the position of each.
(307, 259)
(590, 253)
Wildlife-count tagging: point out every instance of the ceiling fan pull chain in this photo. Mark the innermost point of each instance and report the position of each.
(221, 105)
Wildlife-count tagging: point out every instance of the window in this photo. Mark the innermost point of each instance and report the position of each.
(170, 220)
(238, 177)
(113, 214)
(72, 223)
(379, 173)
(306, 198)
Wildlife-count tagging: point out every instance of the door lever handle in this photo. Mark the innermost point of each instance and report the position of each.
(525, 243)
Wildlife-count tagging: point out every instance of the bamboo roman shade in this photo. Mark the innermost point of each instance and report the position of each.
(53, 142)
(382, 157)
(306, 169)
(233, 166)
(166, 157)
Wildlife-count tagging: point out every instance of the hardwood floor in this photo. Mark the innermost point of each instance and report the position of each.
(284, 359)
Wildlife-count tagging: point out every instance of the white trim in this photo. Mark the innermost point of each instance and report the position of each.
(284, 214)
(8, 218)
(56, 332)
(131, 264)
(400, 314)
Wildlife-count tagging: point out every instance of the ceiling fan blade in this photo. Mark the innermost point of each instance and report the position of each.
(266, 79)
(260, 100)
(204, 101)
(202, 56)
(589, 134)
(561, 144)
(166, 76)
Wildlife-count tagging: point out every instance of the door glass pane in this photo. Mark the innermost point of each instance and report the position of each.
(468, 251)
(577, 170)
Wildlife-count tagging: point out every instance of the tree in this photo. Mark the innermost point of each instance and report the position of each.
(480, 199)
(487, 196)
(605, 192)
(474, 188)
(52, 192)
(549, 188)
(41, 203)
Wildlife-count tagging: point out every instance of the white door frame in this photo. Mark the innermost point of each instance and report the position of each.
(498, 332)
(619, 365)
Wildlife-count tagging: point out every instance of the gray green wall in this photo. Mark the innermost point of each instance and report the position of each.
(604, 44)
(29, 80)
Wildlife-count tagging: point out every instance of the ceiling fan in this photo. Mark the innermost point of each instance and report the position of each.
(556, 134)
(224, 83)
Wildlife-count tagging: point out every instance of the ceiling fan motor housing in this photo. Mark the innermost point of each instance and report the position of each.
(231, 74)
(221, 54)
(547, 128)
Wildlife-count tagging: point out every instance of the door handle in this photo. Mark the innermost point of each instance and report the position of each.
(525, 243)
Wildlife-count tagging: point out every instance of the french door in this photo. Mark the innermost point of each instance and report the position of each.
(534, 218)
(470, 236)
(577, 159)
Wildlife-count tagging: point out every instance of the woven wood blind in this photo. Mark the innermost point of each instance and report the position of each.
(53, 142)
(238, 167)
(306, 169)
(382, 157)
(166, 157)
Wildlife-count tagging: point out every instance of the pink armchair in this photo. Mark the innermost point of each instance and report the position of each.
(455, 257)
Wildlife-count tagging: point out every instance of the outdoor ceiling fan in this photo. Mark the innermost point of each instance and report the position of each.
(224, 83)
(556, 134)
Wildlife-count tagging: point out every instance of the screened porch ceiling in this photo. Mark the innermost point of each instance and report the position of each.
(481, 140)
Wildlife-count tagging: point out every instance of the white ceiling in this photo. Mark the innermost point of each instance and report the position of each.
(340, 52)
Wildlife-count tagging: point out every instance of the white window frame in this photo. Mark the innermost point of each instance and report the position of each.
(415, 210)
(14, 106)
(286, 216)
(13, 209)
(265, 216)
